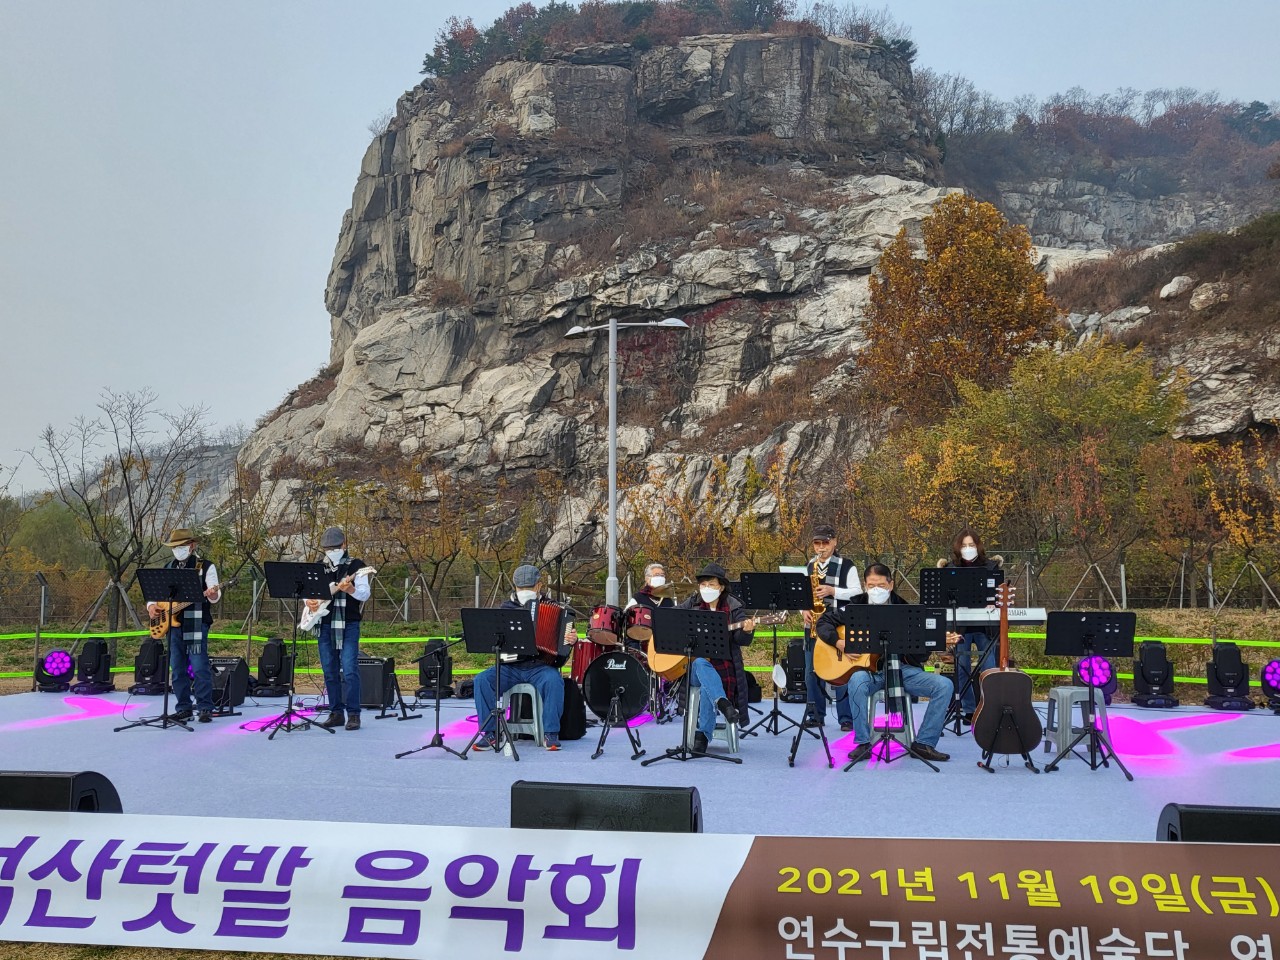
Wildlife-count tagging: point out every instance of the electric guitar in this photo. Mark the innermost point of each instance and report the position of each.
(168, 616)
(313, 611)
(672, 666)
(1006, 722)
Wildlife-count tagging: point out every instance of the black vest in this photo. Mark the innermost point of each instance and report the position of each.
(201, 564)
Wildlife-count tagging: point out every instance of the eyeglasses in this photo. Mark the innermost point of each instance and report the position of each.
(817, 542)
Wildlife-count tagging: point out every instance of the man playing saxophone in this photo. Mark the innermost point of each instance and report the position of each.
(835, 583)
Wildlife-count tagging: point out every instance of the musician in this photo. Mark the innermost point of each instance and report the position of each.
(838, 585)
(723, 682)
(967, 550)
(338, 638)
(653, 594)
(544, 677)
(189, 643)
(915, 679)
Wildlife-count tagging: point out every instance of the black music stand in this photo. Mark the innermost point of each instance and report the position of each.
(903, 629)
(774, 592)
(692, 634)
(298, 582)
(437, 741)
(167, 585)
(1075, 634)
(497, 630)
(954, 587)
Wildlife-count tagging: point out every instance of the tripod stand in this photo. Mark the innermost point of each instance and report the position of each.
(808, 725)
(774, 592)
(437, 741)
(301, 581)
(166, 585)
(498, 631)
(956, 588)
(695, 633)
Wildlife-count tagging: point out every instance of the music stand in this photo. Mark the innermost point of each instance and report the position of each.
(437, 741)
(497, 630)
(901, 629)
(1075, 634)
(692, 634)
(167, 585)
(954, 587)
(296, 581)
(774, 592)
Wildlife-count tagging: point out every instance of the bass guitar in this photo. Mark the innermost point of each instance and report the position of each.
(672, 666)
(168, 616)
(314, 610)
(1006, 722)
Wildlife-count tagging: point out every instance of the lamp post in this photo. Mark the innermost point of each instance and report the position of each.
(611, 584)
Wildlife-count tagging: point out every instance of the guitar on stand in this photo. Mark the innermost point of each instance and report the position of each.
(1006, 721)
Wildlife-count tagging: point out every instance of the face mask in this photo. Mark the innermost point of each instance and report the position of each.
(709, 594)
(181, 553)
(878, 595)
(524, 596)
(657, 580)
(969, 553)
(333, 556)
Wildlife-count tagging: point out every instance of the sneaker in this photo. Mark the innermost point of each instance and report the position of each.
(727, 710)
(552, 742)
(486, 742)
(206, 716)
(699, 742)
(335, 719)
(926, 752)
(859, 753)
(846, 726)
(180, 716)
(353, 722)
(812, 721)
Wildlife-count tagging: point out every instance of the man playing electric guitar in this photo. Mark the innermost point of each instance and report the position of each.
(189, 637)
(338, 639)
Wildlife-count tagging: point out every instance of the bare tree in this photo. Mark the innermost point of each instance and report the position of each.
(126, 476)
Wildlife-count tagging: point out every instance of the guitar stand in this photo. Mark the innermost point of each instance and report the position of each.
(813, 728)
(1007, 718)
(773, 720)
(437, 740)
(615, 718)
(398, 705)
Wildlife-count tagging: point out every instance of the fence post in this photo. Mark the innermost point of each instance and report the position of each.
(1213, 600)
(1124, 590)
(1182, 580)
(406, 599)
(476, 566)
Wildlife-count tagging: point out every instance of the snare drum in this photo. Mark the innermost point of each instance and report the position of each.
(584, 652)
(639, 623)
(605, 625)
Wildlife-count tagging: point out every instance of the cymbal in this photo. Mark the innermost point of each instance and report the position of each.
(666, 590)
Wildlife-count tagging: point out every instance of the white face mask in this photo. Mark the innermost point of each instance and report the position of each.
(878, 595)
(333, 556)
(709, 594)
(657, 580)
(181, 553)
(524, 596)
(969, 553)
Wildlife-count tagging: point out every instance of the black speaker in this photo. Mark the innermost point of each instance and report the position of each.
(797, 690)
(76, 792)
(1190, 823)
(377, 682)
(230, 681)
(596, 806)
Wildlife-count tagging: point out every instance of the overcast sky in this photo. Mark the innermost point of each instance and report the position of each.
(173, 173)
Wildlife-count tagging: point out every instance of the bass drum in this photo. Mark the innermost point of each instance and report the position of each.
(584, 652)
(605, 625)
(640, 623)
(616, 672)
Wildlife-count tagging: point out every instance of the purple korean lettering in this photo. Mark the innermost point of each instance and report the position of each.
(404, 923)
(513, 917)
(10, 857)
(624, 932)
(139, 867)
(266, 919)
(163, 914)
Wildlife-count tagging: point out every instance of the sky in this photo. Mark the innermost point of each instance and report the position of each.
(173, 173)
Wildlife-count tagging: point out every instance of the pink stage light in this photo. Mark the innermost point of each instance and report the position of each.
(88, 708)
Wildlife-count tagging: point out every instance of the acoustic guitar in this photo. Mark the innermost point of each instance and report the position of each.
(1006, 722)
(168, 616)
(835, 666)
(672, 666)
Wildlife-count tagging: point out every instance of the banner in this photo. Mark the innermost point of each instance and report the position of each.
(382, 890)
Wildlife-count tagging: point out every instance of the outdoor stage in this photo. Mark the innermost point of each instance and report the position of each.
(1185, 755)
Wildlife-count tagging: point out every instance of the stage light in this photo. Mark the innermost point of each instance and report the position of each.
(148, 669)
(55, 671)
(1228, 679)
(275, 670)
(1270, 683)
(1153, 677)
(1097, 672)
(93, 669)
(435, 660)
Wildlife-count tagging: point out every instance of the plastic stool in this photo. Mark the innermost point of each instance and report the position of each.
(524, 712)
(905, 733)
(1061, 700)
(724, 731)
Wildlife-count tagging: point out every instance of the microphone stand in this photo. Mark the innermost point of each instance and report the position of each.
(437, 741)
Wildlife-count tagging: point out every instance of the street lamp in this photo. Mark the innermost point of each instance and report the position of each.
(672, 323)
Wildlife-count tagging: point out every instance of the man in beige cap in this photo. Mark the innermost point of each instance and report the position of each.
(189, 643)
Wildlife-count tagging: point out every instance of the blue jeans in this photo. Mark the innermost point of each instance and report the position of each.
(196, 654)
(702, 674)
(341, 668)
(815, 688)
(917, 683)
(545, 678)
(973, 640)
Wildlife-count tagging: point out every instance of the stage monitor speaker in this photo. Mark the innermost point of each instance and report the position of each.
(595, 806)
(87, 791)
(377, 682)
(230, 680)
(1191, 823)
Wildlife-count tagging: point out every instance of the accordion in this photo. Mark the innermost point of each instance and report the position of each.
(549, 622)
